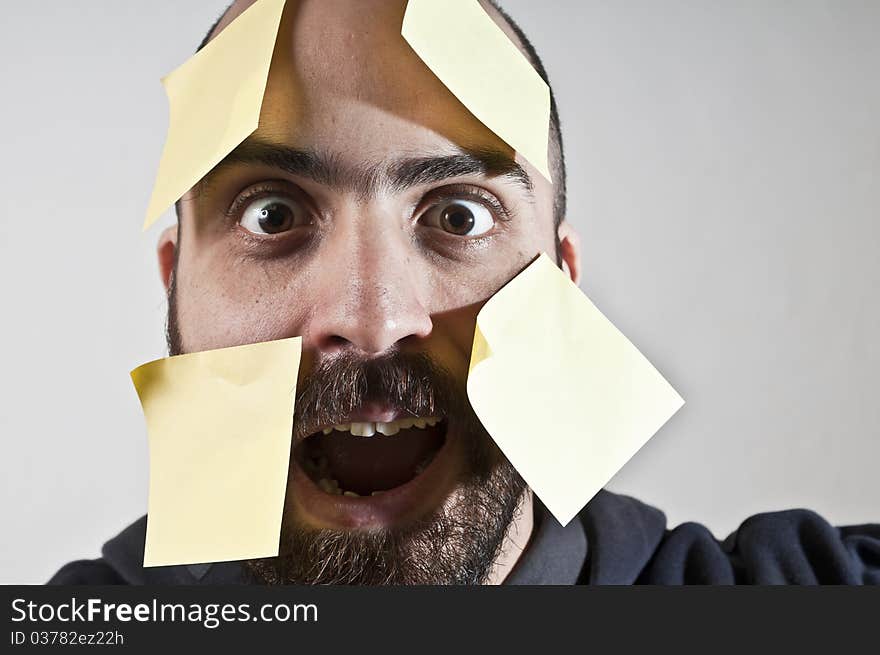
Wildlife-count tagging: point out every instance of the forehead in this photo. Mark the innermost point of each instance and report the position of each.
(344, 81)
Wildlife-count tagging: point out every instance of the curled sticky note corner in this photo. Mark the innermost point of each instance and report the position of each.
(485, 70)
(219, 425)
(586, 399)
(214, 100)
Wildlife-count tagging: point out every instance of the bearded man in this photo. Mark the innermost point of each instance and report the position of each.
(373, 215)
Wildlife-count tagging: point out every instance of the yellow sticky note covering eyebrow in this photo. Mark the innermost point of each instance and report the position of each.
(483, 68)
(565, 395)
(215, 100)
(220, 425)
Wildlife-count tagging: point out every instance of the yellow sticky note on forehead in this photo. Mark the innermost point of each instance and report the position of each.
(215, 100)
(220, 425)
(483, 68)
(565, 395)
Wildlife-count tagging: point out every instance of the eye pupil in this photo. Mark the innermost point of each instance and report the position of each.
(275, 217)
(457, 219)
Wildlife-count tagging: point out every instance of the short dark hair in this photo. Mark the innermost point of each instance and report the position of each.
(557, 153)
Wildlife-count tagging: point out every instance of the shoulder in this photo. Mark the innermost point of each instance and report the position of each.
(794, 546)
(800, 547)
(86, 572)
(629, 542)
(121, 562)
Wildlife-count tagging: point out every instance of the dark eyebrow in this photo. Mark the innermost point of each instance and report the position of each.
(365, 180)
(418, 171)
(303, 163)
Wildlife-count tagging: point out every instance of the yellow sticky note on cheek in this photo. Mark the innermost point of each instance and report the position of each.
(215, 100)
(483, 68)
(220, 425)
(565, 395)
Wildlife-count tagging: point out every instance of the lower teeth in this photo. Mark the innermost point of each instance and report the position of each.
(318, 468)
(329, 486)
(332, 487)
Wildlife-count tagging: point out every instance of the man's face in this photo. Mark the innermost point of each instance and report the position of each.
(372, 215)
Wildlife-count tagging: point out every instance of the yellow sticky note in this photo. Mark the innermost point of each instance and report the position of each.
(220, 425)
(215, 100)
(565, 395)
(483, 68)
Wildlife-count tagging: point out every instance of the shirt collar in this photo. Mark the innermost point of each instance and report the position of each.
(555, 554)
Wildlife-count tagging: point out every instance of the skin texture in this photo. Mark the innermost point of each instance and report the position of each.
(368, 269)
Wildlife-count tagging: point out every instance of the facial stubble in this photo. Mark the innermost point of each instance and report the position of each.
(456, 543)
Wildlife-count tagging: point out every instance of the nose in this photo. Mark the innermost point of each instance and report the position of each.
(368, 294)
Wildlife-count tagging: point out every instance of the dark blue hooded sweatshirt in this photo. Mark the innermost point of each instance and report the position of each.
(615, 540)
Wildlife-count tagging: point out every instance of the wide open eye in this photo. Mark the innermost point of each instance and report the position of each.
(272, 215)
(464, 218)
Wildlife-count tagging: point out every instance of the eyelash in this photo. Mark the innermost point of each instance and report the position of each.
(432, 198)
(463, 191)
(251, 194)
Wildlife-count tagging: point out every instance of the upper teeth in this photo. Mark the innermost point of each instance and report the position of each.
(359, 429)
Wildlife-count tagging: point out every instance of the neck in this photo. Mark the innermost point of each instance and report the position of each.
(515, 540)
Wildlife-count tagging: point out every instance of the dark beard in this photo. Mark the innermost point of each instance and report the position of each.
(457, 544)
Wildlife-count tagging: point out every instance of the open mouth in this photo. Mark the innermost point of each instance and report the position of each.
(370, 458)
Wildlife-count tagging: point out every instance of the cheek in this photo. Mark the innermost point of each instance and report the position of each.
(456, 282)
(452, 338)
(229, 303)
(225, 298)
(455, 293)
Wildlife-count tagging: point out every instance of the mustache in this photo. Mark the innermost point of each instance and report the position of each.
(412, 383)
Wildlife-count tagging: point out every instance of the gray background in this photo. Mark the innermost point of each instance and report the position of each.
(724, 172)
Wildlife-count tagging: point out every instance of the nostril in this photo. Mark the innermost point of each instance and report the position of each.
(334, 342)
(368, 328)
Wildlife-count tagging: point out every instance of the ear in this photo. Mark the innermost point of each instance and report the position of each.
(166, 251)
(570, 250)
